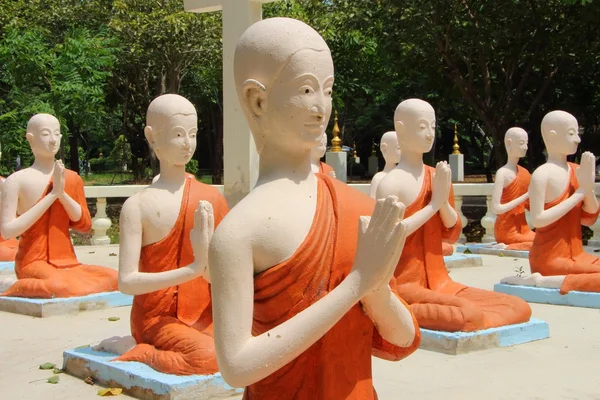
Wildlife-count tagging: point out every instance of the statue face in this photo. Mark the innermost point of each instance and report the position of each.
(390, 147)
(418, 131)
(45, 138)
(299, 101)
(176, 142)
(517, 147)
(569, 139)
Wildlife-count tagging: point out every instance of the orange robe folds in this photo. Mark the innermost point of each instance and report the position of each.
(447, 249)
(558, 250)
(337, 366)
(511, 227)
(325, 169)
(438, 302)
(46, 265)
(173, 327)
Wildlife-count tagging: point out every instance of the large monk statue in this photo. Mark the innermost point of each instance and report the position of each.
(300, 290)
(421, 277)
(171, 317)
(388, 145)
(319, 167)
(8, 248)
(562, 199)
(510, 196)
(40, 204)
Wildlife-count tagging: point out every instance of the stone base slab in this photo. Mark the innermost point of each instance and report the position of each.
(141, 381)
(463, 260)
(490, 249)
(59, 306)
(465, 342)
(533, 294)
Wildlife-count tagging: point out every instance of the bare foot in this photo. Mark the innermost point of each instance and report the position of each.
(6, 282)
(531, 280)
(116, 345)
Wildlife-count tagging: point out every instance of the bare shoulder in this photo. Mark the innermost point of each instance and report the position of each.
(389, 184)
(236, 229)
(131, 207)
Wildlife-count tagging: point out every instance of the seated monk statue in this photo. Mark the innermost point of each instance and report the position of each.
(319, 167)
(562, 199)
(299, 272)
(164, 251)
(8, 247)
(510, 196)
(40, 204)
(421, 277)
(388, 145)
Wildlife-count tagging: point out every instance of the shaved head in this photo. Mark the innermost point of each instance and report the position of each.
(164, 107)
(39, 121)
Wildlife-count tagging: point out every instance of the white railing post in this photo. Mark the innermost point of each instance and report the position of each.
(458, 202)
(100, 223)
(488, 221)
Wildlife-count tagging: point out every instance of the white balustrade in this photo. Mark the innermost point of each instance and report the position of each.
(458, 201)
(101, 223)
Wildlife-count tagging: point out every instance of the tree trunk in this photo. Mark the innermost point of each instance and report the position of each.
(74, 149)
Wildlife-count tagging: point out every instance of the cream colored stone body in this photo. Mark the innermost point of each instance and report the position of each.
(317, 153)
(415, 123)
(391, 154)
(560, 132)
(22, 190)
(285, 88)
(149, 216)
(515, 142)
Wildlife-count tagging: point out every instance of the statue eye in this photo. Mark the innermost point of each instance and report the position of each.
(306, 90)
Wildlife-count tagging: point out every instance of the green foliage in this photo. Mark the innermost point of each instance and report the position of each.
(121, 153)
(192, 167)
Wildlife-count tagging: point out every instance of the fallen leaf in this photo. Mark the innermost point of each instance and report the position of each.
(467, 251)
(500, 255)
(57, 370)
(112, 255)
(112, 319)
(85, 346)
(89, 380)
(92, 252)
(110, 392)
(54, 379)
(47, 366)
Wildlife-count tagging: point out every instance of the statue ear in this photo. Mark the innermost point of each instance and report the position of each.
(383, 147)
(149, 134)
(255, 98)
(399, 127)
(29, 137)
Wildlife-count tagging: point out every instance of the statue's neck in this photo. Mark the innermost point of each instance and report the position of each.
(557, 159)
(411, 161)
(172, 175)
(512, 162)
(389, 166)
(276, 164)
(44, 164)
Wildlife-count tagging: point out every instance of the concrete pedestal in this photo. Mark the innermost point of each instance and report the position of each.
(339, 162)
(457, 164)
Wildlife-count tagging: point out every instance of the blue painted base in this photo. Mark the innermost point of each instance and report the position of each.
(60, 306)
(551, 296)
(7, 267)
(465, 342)
(141, 381)
(487, 248)
(463, 260)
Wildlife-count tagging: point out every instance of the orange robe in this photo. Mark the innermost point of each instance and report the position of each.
(511, 227)
(438, 302)
(8, 248)
(325, 169)
(173, 327)
(46, 265)
(558, 249)
(447, 249)
(337, 366)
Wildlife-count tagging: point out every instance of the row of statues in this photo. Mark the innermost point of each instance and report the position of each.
(291, 291)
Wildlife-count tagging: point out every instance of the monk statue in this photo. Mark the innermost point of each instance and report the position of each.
(319, 167)
(510, 196)
(299, 272)
(40, 204)
(164, 252)
(421, 277)
(8, 248)
(562, 199)
(388, 145)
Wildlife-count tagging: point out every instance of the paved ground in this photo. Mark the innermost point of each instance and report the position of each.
(562, 367)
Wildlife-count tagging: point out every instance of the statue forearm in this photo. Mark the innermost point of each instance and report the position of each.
(417, 220)
(72, 208)
(138, 283)
(542, 218)
(499, 208)
(392, 319)
(448, 215)
(20, 224)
